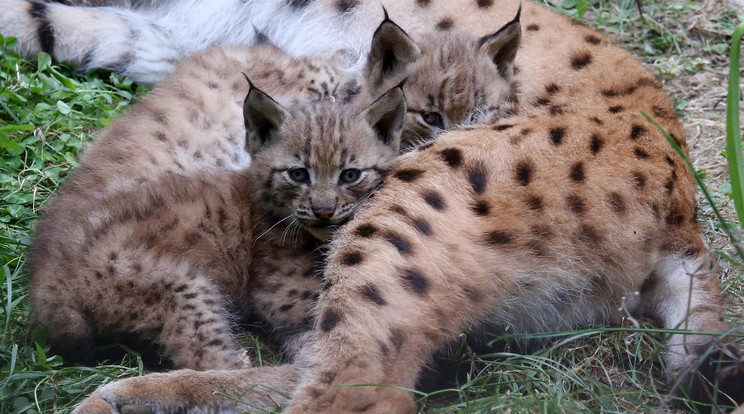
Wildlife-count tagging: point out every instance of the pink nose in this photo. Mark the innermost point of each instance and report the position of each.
(323, 213)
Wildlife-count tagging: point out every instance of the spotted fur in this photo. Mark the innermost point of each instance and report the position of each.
(536, 248)
(170, 257)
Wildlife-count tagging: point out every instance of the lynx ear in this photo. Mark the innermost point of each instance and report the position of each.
(262, 115)
(502, 46)
(392, 52)
(386, 116)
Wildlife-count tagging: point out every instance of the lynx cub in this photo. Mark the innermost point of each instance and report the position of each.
(168, 259)
(188, 131)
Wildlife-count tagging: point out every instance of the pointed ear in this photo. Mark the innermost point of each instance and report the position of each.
(502, 46)
(392, 52)
(386, 116)
(263, 116)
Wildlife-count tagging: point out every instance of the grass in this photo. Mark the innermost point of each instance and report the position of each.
(48, 113)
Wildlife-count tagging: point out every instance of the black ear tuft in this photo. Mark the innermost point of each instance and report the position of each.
(392, 52)
(386, 116)
(262, 116)
(502, 46)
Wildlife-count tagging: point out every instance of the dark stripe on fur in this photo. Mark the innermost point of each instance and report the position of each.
(43, 27)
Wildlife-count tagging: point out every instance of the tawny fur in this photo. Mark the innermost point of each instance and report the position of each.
(190, 128)
(600, 172)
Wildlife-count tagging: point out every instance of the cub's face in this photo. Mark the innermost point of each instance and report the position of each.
(450, 79)
(313, 165)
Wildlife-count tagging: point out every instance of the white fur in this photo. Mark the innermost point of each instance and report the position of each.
(146, 43)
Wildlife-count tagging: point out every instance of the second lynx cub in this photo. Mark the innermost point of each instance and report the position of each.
(169, 259)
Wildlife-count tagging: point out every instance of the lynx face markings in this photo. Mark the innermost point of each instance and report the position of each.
(185, 247)
(317, 168)
(452, 79)
(468, 228)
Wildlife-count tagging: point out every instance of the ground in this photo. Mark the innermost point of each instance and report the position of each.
(48, 113)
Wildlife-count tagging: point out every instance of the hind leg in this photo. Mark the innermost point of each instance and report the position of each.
(683, 294)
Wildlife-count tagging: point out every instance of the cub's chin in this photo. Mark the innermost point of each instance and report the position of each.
(322, 230)
(323, 233)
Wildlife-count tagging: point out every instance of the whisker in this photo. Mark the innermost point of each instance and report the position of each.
(270, 228)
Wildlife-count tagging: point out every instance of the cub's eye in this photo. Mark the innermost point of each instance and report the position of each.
(299, 175)
(350, 175)
(433, 119)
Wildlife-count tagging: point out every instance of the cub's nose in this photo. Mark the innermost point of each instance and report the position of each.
(323, 212)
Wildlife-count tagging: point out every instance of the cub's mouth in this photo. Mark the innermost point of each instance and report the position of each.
(323, 229)
(321, 224)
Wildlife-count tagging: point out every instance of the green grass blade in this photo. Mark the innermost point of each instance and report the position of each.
(733, 132)
(724, 225)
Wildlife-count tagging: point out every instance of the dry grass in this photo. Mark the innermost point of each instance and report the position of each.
(595, 370)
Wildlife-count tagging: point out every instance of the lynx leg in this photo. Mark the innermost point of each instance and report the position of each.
(286, 300)
(187, 391)
(198, 335)
(683, 294)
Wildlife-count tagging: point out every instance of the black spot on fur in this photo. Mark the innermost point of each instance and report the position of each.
(535, 202)
(445, 24)
(423, 227)
(408, 174)
(576, 204)
(552, 88)
(640, 153)
(532, 27)
(345, 6)
(596, 144)
(557, 134)
(589, 234)
(577, 172)
(329, 319)
(371, 293)
(555, 110)
(525, 131)
(542, 101)
(639, 179)
(478, 181)
(397, 338)
(286, 307)
(484, 4)
(399, 210)
(415, 281)
(423, 3)
(592, 39)
(351, 258)
(617, 202)
(615, 109)
(669, 160)
(669, 185)
(596, 120)
(399, 242)
(43, 27)
(502, 127)
(499, 237)
(298, 4)
(636, 131)
(581, 60)
(452, 156)
(523, 172)
(433, 199)
(675, 218)
(481, 208)
(365, 230)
